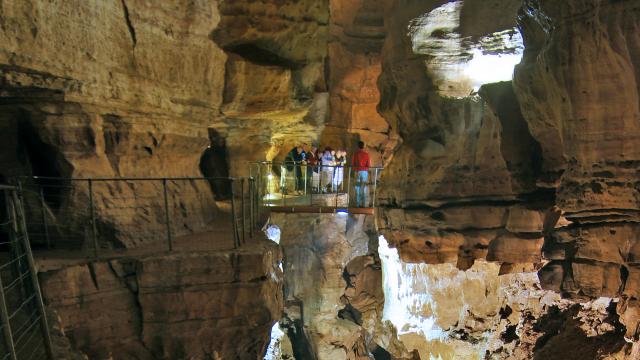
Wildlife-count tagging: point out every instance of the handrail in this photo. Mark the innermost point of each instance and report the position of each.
(160, 207)
(184, 178)
(280, 163)
(283, 183)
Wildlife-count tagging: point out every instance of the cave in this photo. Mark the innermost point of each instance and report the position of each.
(169, 202)
(215, 167)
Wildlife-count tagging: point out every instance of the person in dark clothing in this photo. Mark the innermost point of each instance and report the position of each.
(311, 157)
(293, 162)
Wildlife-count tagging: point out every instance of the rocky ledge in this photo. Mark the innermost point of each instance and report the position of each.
(172, 306)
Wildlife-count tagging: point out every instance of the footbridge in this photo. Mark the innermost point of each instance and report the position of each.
(302, 188)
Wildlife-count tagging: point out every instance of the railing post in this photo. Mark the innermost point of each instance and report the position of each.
(320, 184)
(349, 187)
(44, 326)
(44, 218)
(304, 168)
(334, 181)
(375, 187)
(166, 214)
(311, 192)
(4, 314)
(234, 222)
(94, 232)
(242, 212)
(252, 200)
(6, 325)
(283, 175)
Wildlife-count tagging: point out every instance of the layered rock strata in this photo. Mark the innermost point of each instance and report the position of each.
(356, 35)
(538, 171)
(458, 188)
(119, 89)
(579, 95)
(175, 306)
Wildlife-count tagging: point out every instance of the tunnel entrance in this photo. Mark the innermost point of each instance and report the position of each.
(214, 164)
(42, 160)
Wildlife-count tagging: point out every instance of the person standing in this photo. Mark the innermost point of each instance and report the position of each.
(292, 164)
(361, 163)
(287, 167)
(299, 158)
(326, 176)
(312, 168)
(338, 175)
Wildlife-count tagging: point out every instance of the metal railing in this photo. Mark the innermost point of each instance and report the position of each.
(25, 333)
(300, 184)
(112, 215)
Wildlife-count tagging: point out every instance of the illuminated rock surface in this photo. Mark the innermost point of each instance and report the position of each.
(445, 313)
(323, 313)
(489, 178)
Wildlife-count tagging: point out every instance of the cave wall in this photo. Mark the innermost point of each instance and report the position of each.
(356, 35)
(111, 86)
(580, 99)
(457, 188)
(332, 290)
(538, 172)
(175, 306)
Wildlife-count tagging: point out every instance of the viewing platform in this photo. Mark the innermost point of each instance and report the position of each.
(301, 188)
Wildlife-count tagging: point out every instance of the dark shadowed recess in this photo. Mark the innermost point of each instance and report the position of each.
(259, 55)
(42, 159)
(564, 339)
(214, 163)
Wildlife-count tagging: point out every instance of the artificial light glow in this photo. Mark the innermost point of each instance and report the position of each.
(273, 233)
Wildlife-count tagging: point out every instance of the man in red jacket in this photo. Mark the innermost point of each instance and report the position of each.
(361, 163)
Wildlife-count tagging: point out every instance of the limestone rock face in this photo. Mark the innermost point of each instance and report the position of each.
(580, 101)
(579, 95)
(531, 172)
(333, 290)
(113, 86)
(455, 189)
(275, 93)
(185, 305)
(357, 33)
(443, 312)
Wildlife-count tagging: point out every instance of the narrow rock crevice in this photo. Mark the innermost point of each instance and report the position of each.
(127, 19)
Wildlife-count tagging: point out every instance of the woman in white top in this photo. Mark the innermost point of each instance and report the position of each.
(326, 176)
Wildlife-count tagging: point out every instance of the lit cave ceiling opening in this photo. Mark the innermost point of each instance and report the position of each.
(466, 47)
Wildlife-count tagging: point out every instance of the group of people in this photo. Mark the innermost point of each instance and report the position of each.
(322, 171)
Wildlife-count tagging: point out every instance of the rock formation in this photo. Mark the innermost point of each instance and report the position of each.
(333, 288)
(491, 174)
(540, 164)
(356, 35)
(579, 95)
(218, 305)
